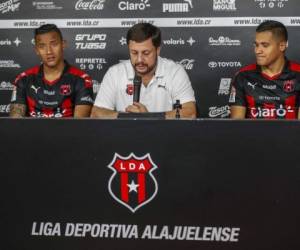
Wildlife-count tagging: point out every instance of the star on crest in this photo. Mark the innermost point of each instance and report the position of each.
(132, 186)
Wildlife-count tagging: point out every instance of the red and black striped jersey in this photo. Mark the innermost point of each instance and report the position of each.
(267, 97)
(52, 99)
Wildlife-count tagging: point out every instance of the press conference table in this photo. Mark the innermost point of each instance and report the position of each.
(149, 184)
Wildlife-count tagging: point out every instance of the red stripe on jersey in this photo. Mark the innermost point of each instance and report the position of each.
(294, 66)
(251, 105)
(47, 112)
(270, 107)
(290, 104)
(248, 68)
(67, 107)
(32, 71)
(77, 72)
(31, 106)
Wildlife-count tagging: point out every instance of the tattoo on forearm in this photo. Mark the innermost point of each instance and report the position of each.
(17, 110)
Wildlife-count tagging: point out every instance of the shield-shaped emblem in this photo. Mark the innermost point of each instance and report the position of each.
(289, 86)
(129, 89)
(65, 89)
(132, 183)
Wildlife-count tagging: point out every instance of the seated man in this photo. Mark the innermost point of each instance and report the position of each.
(270, 88)
(163, 81)
(55, 88)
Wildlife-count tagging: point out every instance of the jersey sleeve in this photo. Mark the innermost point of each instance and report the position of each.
(237, 93)
(84, 91)
(182, 90)
(297, 104)
(19, 90)
(106, 95)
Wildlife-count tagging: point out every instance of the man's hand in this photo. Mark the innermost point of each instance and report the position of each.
(17, 110)
(136, 108)
(237, 112)
(82, 111)
(103, 113)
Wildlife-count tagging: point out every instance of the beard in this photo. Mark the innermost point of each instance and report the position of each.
(144, 68)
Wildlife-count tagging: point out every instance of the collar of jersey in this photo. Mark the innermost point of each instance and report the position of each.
(286, 69)
(41, 73)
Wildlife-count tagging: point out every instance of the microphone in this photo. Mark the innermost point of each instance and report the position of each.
(137, 82)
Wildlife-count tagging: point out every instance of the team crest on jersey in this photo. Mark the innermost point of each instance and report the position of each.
(289, 86)
(129, 89)
(132, 183)
(65, 89)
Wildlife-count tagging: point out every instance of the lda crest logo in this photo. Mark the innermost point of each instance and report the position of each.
(132, 183)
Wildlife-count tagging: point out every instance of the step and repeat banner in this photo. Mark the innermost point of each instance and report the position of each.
(212, 39)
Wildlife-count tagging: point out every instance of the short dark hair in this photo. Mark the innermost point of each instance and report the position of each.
(46, 28)
(143, 31)
(277, 28)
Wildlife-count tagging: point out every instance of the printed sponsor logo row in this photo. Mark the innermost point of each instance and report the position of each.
(99, 41)
(171, 6)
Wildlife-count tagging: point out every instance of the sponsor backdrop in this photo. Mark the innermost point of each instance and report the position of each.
(212, 39)
(133, 188)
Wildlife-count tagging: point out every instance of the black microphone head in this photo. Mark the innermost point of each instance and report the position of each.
(137, 80)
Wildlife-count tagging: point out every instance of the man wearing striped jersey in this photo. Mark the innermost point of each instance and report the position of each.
(270, 88)
(54, 88)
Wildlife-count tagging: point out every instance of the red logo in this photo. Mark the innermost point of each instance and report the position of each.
(65, 89)
(129, 89)
(132, 183)
(289, 86)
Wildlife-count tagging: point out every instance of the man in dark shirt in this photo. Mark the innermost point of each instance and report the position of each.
(270, 88)
(54, 88)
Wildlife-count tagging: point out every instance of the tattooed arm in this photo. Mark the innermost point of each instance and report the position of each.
(17, 110)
